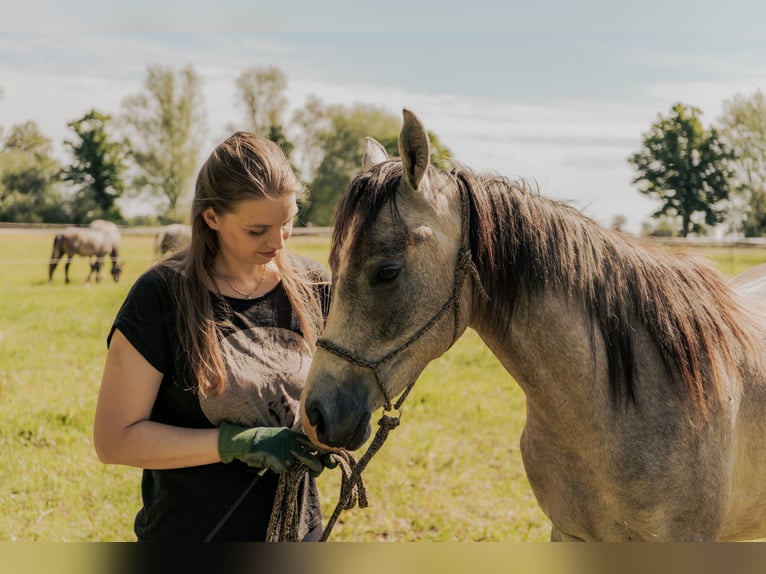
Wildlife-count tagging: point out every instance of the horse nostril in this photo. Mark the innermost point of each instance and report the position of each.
(316, 419)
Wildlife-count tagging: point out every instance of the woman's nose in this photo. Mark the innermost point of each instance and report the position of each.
(277, 238)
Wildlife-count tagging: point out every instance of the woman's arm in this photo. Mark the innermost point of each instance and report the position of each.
(122, 431)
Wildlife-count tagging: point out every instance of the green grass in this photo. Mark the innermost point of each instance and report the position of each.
(451, 471)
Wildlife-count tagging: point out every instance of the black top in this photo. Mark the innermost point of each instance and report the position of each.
(267, 359)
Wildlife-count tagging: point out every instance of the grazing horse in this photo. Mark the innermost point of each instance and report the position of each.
(172, 237)
(95, 242)
(643, 371)
(112, 232)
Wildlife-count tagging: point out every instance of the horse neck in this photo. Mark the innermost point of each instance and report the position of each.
(540, 338)
(566, 292)
(543, 266)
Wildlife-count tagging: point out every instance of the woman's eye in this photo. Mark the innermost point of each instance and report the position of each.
(257, 233)
(388, 273)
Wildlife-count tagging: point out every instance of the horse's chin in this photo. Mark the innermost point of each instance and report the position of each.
(361, 434)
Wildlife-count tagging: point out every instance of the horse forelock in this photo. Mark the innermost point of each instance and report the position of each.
(366, 195)
(523, 243)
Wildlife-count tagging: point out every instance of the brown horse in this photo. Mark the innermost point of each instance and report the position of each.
(95, 242)
(643, 371)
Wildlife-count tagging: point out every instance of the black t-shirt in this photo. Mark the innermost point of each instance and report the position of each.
(267, 360)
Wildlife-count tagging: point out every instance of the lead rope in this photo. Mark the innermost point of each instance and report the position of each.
(285, 518)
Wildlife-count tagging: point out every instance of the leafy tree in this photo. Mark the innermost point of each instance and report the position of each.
(97, 169)
(262, 91)
(685, 167)
(336, 133)
(311, 123)
(743, 127)
(332, 141)
(165, 127)
(29, 189)
(277, 135)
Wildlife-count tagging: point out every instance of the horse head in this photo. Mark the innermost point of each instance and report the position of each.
(398, 287)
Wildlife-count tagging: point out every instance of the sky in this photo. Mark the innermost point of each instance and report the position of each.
(555, 92)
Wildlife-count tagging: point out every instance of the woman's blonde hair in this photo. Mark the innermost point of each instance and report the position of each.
(244, 166)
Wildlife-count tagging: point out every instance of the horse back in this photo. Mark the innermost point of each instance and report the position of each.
(747, 503)
(83, 241)
(751, 282)
(111, 231)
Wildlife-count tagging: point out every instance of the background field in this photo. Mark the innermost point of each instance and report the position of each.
(451, 471)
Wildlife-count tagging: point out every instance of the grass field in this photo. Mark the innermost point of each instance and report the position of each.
(451, 471)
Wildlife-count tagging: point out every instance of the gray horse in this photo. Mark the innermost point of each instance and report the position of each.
(102, 238)
(172, 237)
(643, 372)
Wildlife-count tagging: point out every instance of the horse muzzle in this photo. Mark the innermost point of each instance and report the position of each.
(335, 420)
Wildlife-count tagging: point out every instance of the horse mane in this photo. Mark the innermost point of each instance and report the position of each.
(523, 243)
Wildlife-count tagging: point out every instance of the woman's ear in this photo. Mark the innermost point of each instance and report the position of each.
(210, 218)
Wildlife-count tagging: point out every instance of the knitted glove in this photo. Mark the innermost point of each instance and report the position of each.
(275, 448)
(327, 458)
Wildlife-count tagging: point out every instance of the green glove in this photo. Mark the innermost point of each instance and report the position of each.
(275, 448)
(328, 459)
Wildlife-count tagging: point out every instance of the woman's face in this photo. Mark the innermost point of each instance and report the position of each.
(256, 230)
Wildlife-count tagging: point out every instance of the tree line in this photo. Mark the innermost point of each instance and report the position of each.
(149, 153)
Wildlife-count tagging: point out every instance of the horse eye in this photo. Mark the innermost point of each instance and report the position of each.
(388, 273)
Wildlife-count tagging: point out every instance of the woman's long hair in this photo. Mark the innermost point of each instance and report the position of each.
(244, 166)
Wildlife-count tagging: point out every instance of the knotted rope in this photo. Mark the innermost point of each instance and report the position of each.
(285, 518)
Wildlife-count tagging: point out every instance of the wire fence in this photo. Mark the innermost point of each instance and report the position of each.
(324, 233)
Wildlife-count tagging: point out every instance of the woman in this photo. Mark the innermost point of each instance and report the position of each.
(208, 354)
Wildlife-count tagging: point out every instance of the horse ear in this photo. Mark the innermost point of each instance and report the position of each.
(414, 149)
(374, 153)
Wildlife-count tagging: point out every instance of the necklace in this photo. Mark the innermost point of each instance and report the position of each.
(245, 294)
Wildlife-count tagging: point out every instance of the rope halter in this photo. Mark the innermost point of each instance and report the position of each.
(463, 267)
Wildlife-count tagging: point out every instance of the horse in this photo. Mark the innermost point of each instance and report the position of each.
(110, 229)
(172, 237)
(642, 370)
(101, 238)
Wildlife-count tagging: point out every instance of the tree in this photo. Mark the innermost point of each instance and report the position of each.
(743, 127)
(97, 169)
(166, 127)
(29, 188)
(262, 91)
(332, 144)
(686, 167)
(335, 137)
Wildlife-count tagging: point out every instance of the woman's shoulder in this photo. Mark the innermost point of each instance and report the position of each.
(156, 274)
(157, 279)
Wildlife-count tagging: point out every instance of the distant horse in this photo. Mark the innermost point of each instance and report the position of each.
(172, 237)
(95, 242)
(112, 232)
(643, 372)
